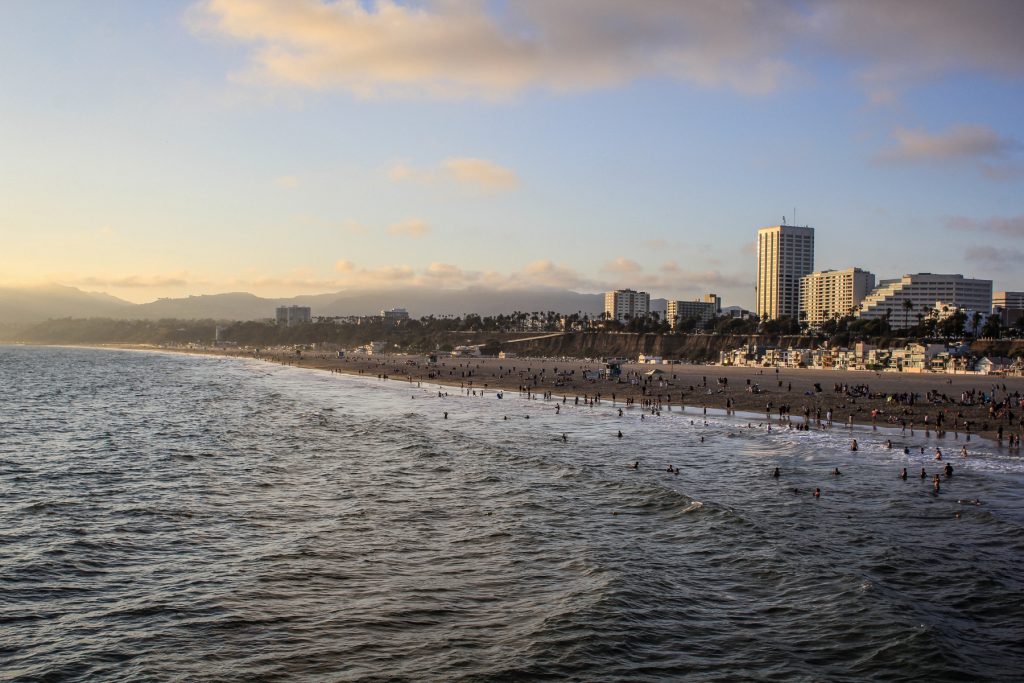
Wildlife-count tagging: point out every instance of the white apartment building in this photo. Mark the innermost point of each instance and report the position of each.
(1008, 300)
(922, 291)
(293, 315)
(623, 303)
(785, 253)
(828, 293)
(704, 309)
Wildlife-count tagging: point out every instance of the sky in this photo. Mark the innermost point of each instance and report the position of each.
(284, 147)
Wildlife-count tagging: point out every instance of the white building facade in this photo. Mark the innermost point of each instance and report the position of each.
(901, 300)
(703, 309)
(785, 253)
(623, 304)
(825, 294)
(293, 315)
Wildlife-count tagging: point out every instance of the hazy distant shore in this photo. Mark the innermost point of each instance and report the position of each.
(684, 385)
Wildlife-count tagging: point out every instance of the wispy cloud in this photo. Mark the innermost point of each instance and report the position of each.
(478, 173)
(132, 281)
(412, 227)
(959, 143)
(457, 49)
(444, 48)
(622, 265)
(1010, 226)
(995, 257)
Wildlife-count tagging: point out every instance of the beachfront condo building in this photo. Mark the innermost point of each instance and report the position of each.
(293, 315)
(703, 309)
(826, 294)
(623, 304)
(1007, 300)
(905, 300)
(785, 253)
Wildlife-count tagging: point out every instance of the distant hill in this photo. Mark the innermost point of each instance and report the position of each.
(33, 304)
(36, 304)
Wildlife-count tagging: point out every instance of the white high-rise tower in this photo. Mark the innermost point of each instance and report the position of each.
(785, 253)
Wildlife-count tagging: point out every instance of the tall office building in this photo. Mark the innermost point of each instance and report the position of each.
(828, 293)
(626, 302)
(785, 253)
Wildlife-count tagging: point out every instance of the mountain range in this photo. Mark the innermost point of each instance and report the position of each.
(28, 305)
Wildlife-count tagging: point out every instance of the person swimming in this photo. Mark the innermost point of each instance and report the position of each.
(853, 445)
(620, 434)
(938, 454)
(923, 473)
(963, 452)
(817, 492)
(906, 450)
(775, 473)
(948, 470)
(836, 472)
(888, 443)
(636, 465)
(446, 414)
(903, 474)
(565, 437)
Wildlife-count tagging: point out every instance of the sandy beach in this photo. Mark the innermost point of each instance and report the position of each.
(806, 395)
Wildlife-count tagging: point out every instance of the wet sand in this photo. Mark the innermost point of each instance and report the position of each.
(695, 387)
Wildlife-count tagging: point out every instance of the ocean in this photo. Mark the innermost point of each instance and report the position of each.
(178, 517)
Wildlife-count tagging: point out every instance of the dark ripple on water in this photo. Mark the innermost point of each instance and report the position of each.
(171, 517)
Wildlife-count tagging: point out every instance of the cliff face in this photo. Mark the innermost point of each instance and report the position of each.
(696, 347)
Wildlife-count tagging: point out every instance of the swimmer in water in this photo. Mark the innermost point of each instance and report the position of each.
(853, 445)
(620, 434)
(564, 437)
(888, 443)
(938, 454)
(636, 465)
(446, 415)
(817, 493)
(836, 472)
(775, 473)
(948, 470)
(906, 450)
(923, 473)
(903, 474)
(702, 438)
(963, 452)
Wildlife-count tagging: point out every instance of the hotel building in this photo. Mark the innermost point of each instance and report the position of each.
(703, 309)
(828, 293)
(785, 253)
(626, 303)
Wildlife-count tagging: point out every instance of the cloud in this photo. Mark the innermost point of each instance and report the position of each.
(412, 227)
(449, 49)
(1011, 226)
(963, 142)
(289, 182)
(453, 49)
(622, 265)
(133, 281)
(485, 174)
(478, 173)
(895, 44)
(995, 257)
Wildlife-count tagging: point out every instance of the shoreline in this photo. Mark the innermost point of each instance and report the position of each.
(692, 388)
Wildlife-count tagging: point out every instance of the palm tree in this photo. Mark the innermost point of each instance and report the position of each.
(908, 306)
(975, 322)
